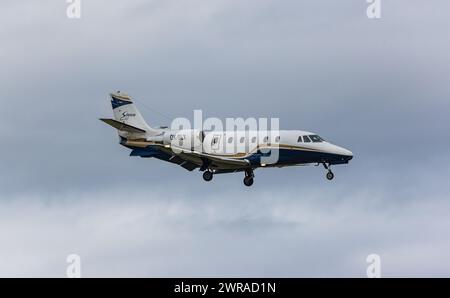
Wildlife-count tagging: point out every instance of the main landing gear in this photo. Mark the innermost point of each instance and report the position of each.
(208, 175)
(330, 174)
(248, 180)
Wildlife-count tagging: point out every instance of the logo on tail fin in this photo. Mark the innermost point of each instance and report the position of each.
(126, 115)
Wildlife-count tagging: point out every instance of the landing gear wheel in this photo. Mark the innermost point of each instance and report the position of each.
(330, 175)
(207, 175)
(248, 181)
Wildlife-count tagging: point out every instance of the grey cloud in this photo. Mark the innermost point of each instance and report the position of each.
(134, 233)
(378, 87)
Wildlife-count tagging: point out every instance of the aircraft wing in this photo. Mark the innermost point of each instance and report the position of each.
(162, 153)
(191, 160)
(213, 161)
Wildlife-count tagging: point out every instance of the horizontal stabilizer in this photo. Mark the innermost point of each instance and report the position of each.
(122, 126)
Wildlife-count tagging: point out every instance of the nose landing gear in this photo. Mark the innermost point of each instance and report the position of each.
(330, 174)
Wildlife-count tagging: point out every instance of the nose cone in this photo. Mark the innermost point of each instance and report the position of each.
(349, 156)
(347, 153)
(344, 154)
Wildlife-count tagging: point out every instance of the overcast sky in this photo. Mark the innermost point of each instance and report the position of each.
(377, 87)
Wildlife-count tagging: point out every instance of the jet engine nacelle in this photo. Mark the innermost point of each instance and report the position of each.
(188, 139)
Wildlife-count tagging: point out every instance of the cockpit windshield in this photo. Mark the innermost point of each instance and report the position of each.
(316, 139)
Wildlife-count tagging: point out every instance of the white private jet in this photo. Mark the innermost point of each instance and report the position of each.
(210, 150)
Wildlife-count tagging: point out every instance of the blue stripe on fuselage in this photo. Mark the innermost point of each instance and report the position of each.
(292, 157)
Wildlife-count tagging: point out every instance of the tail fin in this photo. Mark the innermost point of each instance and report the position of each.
(126, 112)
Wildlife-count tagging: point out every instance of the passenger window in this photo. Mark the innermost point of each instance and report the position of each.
(254, 140)
(306, 139)
(242, 140)
(299, 139)
(230, 140)
(277, 139)
(266, 139)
